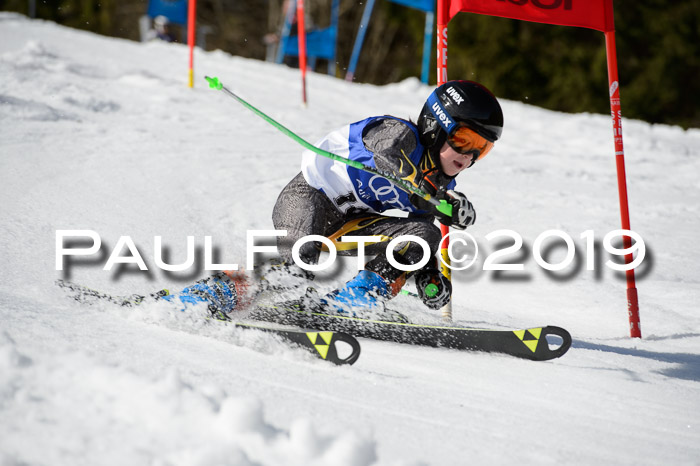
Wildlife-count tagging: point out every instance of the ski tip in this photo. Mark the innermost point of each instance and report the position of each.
(214, 83)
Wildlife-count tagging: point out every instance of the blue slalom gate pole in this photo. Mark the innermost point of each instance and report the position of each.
(357, 47)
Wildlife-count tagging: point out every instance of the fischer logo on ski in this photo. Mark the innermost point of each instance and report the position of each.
(529, 337)
(325, 341)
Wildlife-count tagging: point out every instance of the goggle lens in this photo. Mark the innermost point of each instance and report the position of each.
(465, 140)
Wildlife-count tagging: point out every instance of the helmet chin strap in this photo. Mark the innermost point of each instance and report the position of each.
(436, 161)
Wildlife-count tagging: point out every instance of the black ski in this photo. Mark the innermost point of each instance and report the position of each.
(322, 344)
(86, 295)
(529, 343)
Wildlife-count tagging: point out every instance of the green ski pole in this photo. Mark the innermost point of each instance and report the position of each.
(442, 205)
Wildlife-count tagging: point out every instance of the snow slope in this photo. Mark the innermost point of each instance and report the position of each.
(103, 134)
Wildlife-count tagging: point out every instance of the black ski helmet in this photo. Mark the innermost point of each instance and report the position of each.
(455, 102)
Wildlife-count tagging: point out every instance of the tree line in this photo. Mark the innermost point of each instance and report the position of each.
(555, 67)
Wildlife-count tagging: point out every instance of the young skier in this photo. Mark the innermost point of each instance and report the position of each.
(457, 126)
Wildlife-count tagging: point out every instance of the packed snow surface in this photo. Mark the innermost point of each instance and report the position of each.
(103, 134)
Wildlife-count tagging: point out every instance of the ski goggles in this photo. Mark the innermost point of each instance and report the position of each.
(465, 140)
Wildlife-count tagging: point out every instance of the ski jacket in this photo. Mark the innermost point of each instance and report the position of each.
(386, 143)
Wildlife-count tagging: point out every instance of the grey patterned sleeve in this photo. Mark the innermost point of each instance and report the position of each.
(391, 141)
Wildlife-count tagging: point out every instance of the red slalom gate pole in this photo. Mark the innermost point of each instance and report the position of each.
(616, 112)
(442, 20)
(301, 34)
(191, 15)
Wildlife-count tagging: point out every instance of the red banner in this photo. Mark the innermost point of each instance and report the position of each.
(592, 14)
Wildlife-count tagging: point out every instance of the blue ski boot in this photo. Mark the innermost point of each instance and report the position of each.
(219, 292)
(366, 292)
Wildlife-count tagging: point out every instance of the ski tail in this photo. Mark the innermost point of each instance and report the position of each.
(323, 344)
(535, 339)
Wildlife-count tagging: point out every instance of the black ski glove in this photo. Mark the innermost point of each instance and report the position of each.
(463, 213)
(434, 289)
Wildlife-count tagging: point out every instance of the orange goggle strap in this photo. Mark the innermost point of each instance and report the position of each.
(465, 140)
